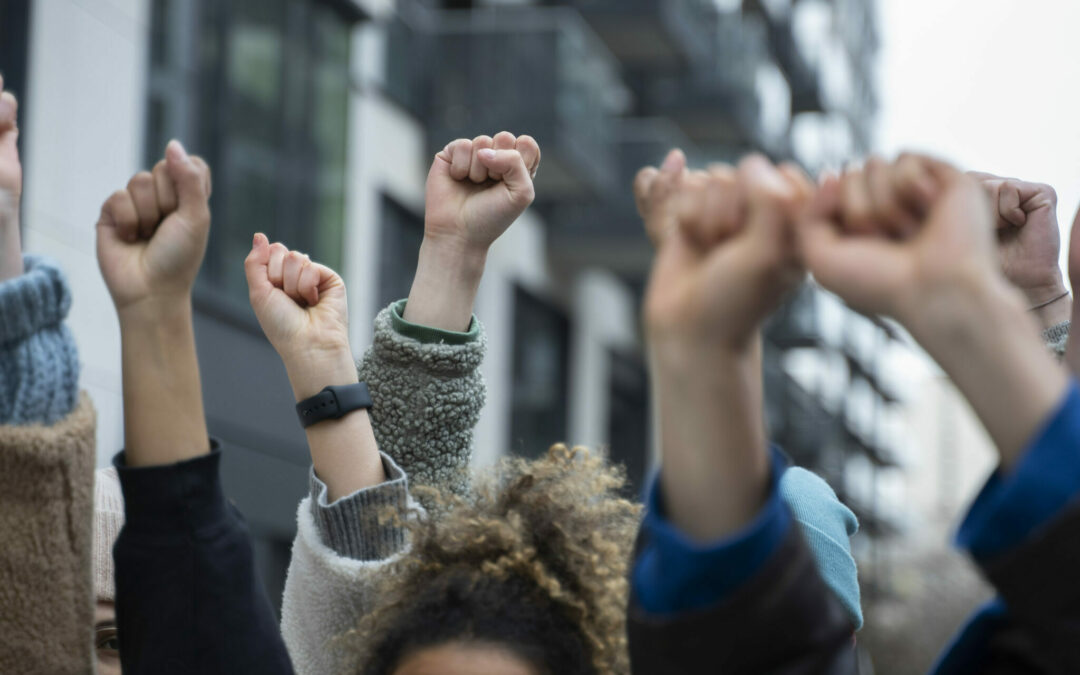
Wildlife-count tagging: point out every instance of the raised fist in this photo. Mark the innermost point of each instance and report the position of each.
(476, 189)
(726, 254)
(928, 243)
(302, 308)
(152, 235)
(10, 166)
(1028, 238)
(10, 187)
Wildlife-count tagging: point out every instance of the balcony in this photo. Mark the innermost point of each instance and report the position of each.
(802, 77)
(535, 70)
(608, 232)
(717, 104)
(654, 34)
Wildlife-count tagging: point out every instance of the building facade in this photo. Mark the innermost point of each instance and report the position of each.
(319, 118)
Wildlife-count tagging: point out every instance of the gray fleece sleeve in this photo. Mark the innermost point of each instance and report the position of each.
(427, 393)
(1057, 337)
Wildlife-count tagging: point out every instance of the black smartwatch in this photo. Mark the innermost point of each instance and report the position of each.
(332, 403)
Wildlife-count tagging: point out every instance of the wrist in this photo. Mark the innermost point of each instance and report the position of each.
(448, 274)
(311, 371)
(1050, 305)
(156, 314)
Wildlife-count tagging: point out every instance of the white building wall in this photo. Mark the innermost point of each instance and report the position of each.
(86, 101)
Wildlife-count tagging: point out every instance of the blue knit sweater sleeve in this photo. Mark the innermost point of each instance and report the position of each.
(39, 365)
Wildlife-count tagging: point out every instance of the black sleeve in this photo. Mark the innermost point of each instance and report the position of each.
(1040, 584)
(783, 621)
(188, 598)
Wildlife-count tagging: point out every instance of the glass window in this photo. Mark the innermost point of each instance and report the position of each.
(260, 88)
(401, 235)
(628, 417)
(541, 375)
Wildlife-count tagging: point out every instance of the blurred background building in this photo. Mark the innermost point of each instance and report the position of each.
(319, 118)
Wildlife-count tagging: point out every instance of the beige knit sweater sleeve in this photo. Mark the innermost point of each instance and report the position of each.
(46, 515)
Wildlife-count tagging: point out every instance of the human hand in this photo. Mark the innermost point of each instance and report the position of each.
(152, 235)
(10, 187)
(302, 308)
(1029, 242)
(725, 249)
(475, 190)
(924, 245)
(1072, 350)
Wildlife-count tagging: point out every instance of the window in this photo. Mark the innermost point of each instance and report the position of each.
(541, 375)
(260, 88)
(628, 417)
(401, 235)
(14, 29)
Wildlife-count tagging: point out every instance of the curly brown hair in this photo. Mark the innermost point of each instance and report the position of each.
(535, 559)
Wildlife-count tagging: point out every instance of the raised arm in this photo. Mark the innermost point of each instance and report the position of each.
(720, 556)
(942, 280)
(46, 453)
(188, 598)
(423, 368)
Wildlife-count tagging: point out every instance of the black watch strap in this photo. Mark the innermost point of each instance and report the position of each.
(332, 403)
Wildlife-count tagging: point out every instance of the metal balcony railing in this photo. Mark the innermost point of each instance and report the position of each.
(535, 70)
(717, 104)
(608, 232)
(654, 34)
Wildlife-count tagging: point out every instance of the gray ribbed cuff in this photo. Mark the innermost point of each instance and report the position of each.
(1057, 337)
(351, 527)
(35, 300)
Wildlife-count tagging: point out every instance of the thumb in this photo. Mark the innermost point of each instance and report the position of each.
(189, 179)
(515, 176)
(257, 268)
(1009, 205)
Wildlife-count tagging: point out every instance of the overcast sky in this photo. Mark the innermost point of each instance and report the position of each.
(991, 84)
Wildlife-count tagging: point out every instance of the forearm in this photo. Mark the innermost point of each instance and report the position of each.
(712, 436)
(986, 345)
(444, 288)
(164, 422)
(11, 264)
(343, 451)
(1057, 308)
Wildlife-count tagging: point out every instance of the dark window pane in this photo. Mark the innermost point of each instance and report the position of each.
(541, 375)
(628, 417)
(260, 88)
(401, 235)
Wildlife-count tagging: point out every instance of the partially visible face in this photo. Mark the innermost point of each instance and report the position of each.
(457, 658)
(105, 639)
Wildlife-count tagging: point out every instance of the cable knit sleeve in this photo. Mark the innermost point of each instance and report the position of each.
(427, 393)
(39, 365)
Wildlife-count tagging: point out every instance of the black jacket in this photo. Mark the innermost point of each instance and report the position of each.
(188, 598)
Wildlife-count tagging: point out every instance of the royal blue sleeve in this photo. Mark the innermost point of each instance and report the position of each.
(673, 574)
(1015, 504)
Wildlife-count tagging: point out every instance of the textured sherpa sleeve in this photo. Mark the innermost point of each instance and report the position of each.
(340, 553)
(46, 511)
(1057, 338)
(39, 366)
(427, 393)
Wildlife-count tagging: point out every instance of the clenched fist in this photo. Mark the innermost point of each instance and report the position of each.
(303, 311)
(476, 189)
(152, 235)
(10, 186)
(725, 248)
(1029, 241)
(928, 242)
